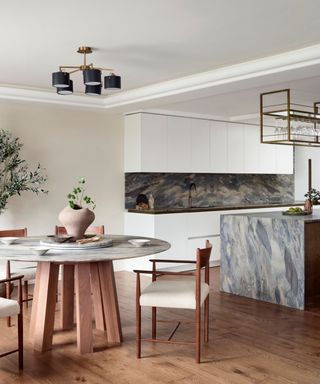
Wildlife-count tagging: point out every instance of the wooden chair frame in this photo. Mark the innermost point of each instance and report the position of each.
(202, 261)
(20, 319)
(21, 232)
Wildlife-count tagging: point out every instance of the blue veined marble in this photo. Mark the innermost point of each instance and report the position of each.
(171, 190)
(263, 258)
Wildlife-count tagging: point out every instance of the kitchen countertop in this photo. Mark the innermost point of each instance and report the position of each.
(216, 208)
(314, 217)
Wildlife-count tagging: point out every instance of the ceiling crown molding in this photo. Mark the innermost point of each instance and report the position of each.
(287, 61)
(41, 96)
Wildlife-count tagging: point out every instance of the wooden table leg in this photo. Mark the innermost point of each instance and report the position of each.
(83, 308)
(110, 301)
(43, 308)
(67, 296)
(97, 299)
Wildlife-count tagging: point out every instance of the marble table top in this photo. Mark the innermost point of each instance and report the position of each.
(279, 216)
(121, 249)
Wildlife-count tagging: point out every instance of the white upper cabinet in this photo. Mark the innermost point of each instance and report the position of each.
(160, 143)
(132, 143)
(145, 143)
(284, 159)
(218, 147)
(179, 144)
(251, 149)
(154, 143)
(235, 148)
(200, 145)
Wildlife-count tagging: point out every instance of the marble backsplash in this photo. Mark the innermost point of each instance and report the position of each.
(171, 190)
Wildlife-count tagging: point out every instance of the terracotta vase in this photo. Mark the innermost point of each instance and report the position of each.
(76, 221)
(308, 206)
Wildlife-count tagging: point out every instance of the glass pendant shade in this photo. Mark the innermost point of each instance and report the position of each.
(66, 90)
(92, 76)
(60, 79)
(112, 82)
(93, 90)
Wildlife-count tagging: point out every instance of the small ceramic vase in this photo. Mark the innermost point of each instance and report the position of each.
(308, 206)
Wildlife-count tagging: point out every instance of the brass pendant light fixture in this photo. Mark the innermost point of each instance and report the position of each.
(287, 123)
(91, 77)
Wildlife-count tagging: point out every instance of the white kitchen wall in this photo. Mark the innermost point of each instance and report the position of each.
(70, 144)
(302, 154)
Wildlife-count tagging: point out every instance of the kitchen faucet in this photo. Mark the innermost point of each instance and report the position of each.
(192, 186)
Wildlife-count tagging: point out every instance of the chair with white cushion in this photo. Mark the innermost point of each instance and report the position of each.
(9, 308)
(14, 268)
(187, 292)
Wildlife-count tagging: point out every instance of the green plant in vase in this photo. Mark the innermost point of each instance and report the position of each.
(77, 216)
(313, 195)
(77, 197)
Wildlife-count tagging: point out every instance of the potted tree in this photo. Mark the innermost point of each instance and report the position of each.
(76, 217)
(15, 176)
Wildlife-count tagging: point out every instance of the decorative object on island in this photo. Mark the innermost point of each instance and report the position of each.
(284, 122)
(91, 77)
(76, 218)
(313, 196)
(15, 176)
(151, 201)
(142, 202)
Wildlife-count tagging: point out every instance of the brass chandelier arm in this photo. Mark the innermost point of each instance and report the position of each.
(74, 71)
(82, 67)
(69, 66)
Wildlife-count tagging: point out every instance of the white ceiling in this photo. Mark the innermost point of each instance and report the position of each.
(147, 42)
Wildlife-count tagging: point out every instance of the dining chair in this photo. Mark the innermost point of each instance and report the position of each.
(98, 230)
(187, 292)
(13, 268)
(10, 308)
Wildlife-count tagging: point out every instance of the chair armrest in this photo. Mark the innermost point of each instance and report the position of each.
(158, 273)
(173, 261)
(20, 277)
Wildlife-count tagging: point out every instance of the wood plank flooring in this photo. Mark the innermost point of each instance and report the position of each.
(250, 342)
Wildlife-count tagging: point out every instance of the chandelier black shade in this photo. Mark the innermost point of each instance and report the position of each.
(92, 77)
(66, 90)
(112, 82)
(93, 90)
(60, 79)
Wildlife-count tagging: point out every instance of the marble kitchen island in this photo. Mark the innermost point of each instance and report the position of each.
(271, 257)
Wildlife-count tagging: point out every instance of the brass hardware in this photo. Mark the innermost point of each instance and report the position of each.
(292, 126)
(84, 50)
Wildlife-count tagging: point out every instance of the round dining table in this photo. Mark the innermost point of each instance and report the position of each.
(87, 277)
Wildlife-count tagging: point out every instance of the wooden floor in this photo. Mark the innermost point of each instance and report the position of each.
(251, 342)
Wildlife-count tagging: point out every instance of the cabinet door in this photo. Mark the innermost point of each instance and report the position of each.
(179, 144)
(235, 148)
(251, 149)
(203, 224)
(267, 158)
(218, 147)
(200, 145)
(132, 143)
(267, 155)
(284, 159)
(153, 143)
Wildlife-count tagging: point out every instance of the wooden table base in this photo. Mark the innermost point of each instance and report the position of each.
(83, 278)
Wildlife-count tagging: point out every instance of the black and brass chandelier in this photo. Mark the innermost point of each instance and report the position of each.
(91, 77)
